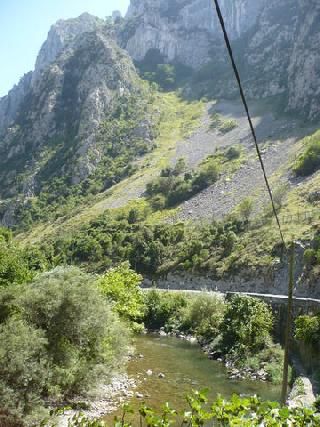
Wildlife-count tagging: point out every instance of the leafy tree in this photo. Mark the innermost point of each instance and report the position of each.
(308, 329)
(121, 286)
(13, 267)
(309, 161)
(203, 316)
(163, 308)
(247, 325)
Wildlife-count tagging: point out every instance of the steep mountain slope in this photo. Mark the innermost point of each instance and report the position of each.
(90, 153)
(65, 116)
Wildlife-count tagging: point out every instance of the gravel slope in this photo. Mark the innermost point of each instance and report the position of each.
(277, 138)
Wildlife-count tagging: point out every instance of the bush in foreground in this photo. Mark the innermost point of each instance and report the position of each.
(238, 411)
(59, 337)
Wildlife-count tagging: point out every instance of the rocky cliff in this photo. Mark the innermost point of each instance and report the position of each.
(276, 42)
(60, 35)
(184, 30)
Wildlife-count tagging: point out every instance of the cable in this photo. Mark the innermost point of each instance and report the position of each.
(243, 98)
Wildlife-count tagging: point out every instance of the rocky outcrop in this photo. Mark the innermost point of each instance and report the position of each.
(60, 35)
(184, 30)
(276, 44)
(304, 67)
(10, 104)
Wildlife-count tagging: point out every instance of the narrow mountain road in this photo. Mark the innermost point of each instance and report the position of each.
(274, 298)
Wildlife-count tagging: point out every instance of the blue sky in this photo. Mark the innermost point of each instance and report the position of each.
(24, 25)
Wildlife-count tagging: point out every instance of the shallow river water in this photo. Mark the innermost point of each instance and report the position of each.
(185, 367)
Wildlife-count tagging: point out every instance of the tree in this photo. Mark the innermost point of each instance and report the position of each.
(247, 325)
(121, 286)
(13, 266)
(84, 338)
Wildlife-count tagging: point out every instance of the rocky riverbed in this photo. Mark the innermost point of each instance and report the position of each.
(107, 399)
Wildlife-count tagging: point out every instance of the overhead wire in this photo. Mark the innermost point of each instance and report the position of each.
(245, 104)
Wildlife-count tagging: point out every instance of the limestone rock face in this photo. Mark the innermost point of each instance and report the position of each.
(9, 104)
(55, 112)
(304, 67)
(276, 43)
(60, 35)
(184, 30)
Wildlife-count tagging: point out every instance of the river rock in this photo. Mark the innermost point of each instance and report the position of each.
(149, 372)
(161, 375)
(139, 395)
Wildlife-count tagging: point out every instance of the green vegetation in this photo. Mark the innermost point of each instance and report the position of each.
(247, 325)
(153, 250)
(238, 411)
(239, 329)
(246, 208)
(58, 337)
(14, 262)
(221, 124)
(308, 329)
(167, 76)
(126, 134)
(309, 161)
(171, 189)
(121, 286)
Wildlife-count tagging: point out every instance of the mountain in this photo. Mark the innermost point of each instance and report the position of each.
(53, 124)
(276, 44)
(139, 118)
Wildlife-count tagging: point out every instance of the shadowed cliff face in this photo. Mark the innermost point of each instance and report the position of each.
(276, 42)
(184, 30)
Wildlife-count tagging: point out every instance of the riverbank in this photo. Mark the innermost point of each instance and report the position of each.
(106, 399)
(234, 372)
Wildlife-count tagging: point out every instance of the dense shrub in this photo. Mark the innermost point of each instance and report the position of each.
(233, 152)
(309, 161)
(24, 367)
(203, 316)
(247, 325)
(14, 267)
(307, 329)
(222, 124)
(153, 250)
(174, 188)
(163, 309)
(58, 336)
(121, 286)
(168, 76)
(81, 330)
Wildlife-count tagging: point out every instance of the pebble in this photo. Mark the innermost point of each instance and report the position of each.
(139, 395)
(161, 375)
(149, 372)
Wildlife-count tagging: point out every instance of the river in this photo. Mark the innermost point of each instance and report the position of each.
(185, 367)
